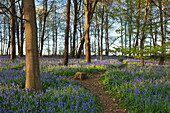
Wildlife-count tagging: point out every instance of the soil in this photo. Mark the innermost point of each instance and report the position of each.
(108, 103)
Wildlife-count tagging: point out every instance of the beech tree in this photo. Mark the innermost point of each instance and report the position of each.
(32, 61)
(67, 34)
(162, 58)
(143, 35)
(101, 40)
(89, 10)
(12, 24)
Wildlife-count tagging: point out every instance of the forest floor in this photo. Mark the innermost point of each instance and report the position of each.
(108, 103)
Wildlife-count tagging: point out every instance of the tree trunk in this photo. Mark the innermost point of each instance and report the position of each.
(95, 36)
(18, 40)
(40, 33)
(9, 41)
(143, 35)
(151, 32)
(101, 43)
(106, 33)
(121, 34)
(67, 34)
(53, 38)
(161, 62)
(56, 34)
(98, 33)
(4, 40)
(87, 25)
(1, 39)
(80, 48)
(75, 27)
(88, 18)
(22, 30)
(32, 61)
(138, 27)
(12, 22)
(125, 35)
(43, 32)
(155, 40)
(130, 28)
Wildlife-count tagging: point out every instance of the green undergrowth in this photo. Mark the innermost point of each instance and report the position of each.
(140, 89)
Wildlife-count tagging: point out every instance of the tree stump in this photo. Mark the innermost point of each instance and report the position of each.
(80, 76)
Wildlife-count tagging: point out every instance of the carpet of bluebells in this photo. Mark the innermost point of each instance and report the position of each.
(140, 89)
(59, 94)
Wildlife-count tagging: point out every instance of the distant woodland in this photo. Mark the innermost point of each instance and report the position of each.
(133, 28)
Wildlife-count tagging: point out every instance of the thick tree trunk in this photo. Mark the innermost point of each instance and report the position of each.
(87, 25)
(32, 61)
(67, 34)
(88, 18)
(161, 62)
(143, 35)
(12, 22)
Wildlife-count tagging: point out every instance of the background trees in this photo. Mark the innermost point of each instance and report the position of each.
(120, 23)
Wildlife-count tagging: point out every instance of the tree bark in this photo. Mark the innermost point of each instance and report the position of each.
(1, 40)
(161, 62)
(106, 33)
(9, 41)
(88, 19)
(130, 28)
(18, 40)
(121, 33)
(65, 63)
(151, 32)
(75, 27)
(155, 40)
(138, 26)
(12, 24)
(101, 40)
(143, 35)
(87, 25)
(56, 34)
(32, 62)
(22, 31)
(44, 25)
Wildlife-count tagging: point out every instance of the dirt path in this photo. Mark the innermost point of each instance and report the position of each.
(108, 104)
